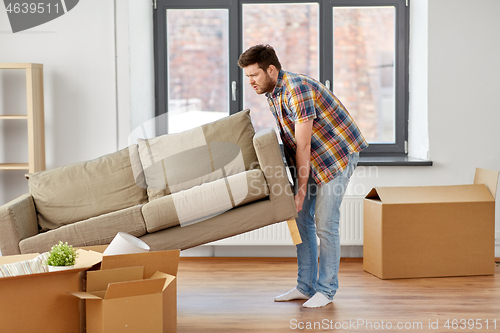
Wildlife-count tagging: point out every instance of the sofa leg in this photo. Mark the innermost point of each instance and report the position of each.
(294, 231)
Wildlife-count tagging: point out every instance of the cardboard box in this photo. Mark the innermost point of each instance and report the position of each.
(133, 293)
(431, 231)
(40, 302)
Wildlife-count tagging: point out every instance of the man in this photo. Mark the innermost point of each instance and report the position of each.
(322, 142)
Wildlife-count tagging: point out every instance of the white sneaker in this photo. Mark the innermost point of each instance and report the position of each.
(290, 296)
(317, 301)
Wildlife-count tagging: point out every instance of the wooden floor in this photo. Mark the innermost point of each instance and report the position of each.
(236, 295)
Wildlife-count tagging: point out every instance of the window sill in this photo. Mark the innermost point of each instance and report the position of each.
(392, 160)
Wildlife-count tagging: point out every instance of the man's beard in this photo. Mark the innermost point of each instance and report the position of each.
(267, 85)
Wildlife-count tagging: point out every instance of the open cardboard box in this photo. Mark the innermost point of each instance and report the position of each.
(40, 302)
(133, 293)
(143, 292)
(431, 231)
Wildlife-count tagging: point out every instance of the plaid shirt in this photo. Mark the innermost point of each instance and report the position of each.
(297, 99)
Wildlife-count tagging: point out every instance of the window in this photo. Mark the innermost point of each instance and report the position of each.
(358, 48)
(363, 67)
(292, 29)
(197, 67)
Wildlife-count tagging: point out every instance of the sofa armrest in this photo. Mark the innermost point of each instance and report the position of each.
(271, 162)
(17, 222)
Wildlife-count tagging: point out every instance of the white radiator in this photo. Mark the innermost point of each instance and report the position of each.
(351, 228)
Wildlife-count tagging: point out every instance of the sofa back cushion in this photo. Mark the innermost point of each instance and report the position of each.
(177, 162)
(87, 189)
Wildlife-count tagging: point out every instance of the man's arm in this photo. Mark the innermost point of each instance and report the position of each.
(303, 134)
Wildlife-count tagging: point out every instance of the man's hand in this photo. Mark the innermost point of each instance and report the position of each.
(299, 201)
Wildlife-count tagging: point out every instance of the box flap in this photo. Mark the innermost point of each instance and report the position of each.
(83, 295)
(168, 278)
(87, 259)
(373, 194)
(162, 261)
(489, 178)
(431, 194)
(95, 248)
(17, 258)
(99, 280)
(134, 288)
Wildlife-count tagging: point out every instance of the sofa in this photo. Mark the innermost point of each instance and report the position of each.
(174, 191)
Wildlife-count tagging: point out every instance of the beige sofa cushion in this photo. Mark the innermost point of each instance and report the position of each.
(176, 162)
(94, 231)
(205, 201)
(83, 190)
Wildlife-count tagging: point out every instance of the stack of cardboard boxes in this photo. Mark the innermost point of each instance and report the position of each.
(123, 293)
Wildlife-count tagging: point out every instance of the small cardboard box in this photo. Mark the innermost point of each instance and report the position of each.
(431, 231)
(133, 293)
(40, 302)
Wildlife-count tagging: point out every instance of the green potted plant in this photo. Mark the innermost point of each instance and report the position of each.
(61, 256)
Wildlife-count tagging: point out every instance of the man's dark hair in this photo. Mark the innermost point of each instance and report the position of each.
(263, 55)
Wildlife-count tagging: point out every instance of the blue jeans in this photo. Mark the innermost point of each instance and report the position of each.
(320, 215)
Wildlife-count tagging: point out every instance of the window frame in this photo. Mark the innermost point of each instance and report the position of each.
(402, 50)
(160, 52)
(398, 148)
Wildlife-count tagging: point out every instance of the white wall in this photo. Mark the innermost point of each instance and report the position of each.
(454, 81)
(135, 68)
(418, 143)
(141, 62)
(78, 54)
(464, 85)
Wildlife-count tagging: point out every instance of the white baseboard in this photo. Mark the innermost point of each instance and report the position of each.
(282, 251)
(240, 251)
(260, 251)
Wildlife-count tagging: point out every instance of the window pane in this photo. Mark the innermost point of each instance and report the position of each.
(198, 67)
(364, 71)
(293, 31)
